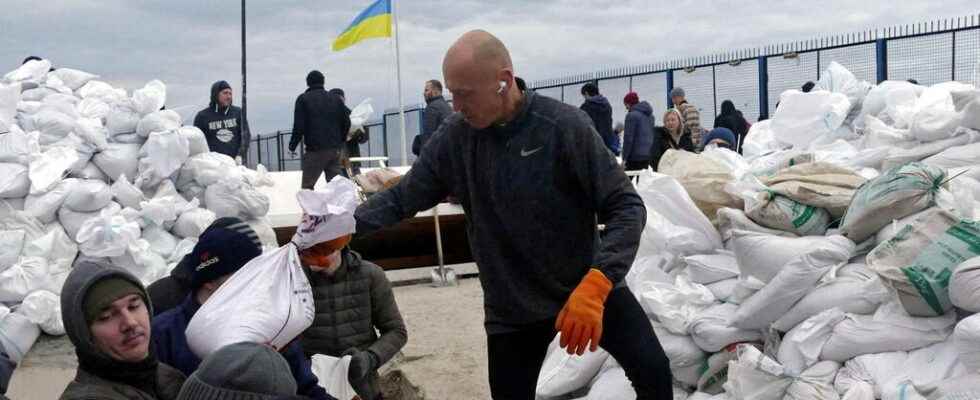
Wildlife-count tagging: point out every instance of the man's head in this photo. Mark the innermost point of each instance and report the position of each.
(106, 312)
(221, 94)
(480, 75)
(589, 90)
(631, 99)
(433, 89)
(245, 371)
(677, 95)
(314, 78)
(325, 256)
(808, 86)
(224, 248)
(721, 137)
(339, 93)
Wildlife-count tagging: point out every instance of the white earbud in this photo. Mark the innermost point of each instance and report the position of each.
(503, 85)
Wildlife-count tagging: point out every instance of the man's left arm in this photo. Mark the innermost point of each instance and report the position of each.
(246, 138)
(616, 202)
(306, 382)
(386, 318)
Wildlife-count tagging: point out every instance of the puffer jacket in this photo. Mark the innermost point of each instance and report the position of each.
(349, 306)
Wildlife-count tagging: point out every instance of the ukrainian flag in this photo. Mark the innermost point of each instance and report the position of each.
(374, 22)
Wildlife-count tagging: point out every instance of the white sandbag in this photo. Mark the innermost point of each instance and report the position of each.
(896, 194)
(161, 241)
(876, 101)
(818, 184)
(964, 285)
(801, 346)
(649, 269)
(724, 289)
(612, 384)
(760, 140)
(18, 334)
(60, 251)
(675, 305)
(878, 134)
(28, 275)
(192, 223)
(11, 244)
(93, 108)
(803, 117)
(207, 169)
(184, 247)
(162, 156)
(855, 296)
(662, 192)
(966, 337)
(898, 157)
(150, 98)
(710, 268)
(360, 115)
(142, 262)
(119, 159)
(160, 211)
(127, 194)
(37, 94)
(783, 213)
(731, 220)
(889, 329)
(269, 300)
(762, 256)
(563, 373)
(971, 115)
(101, 90)
(14, 181)
(236, 198)
(754, 376)
(88, 196)
(897, 225)
(331, 373)
(12, 219)
(53, 125)
(684, 355)
(16, 146)
(869, 371)
(924, 366)
(838, 79)
(196, 141)
(711, 330)
(92, 132)
(45, 206)
(960, 387)
(258, 176)
(816, 383)
(957, 156)
(33, 70)
(123, 119)
(73, 221)
(72, 78)
(745, 287)
(263, 229)
(158, 121)
(918, 261)
(9, 97)
(936, 117)
(790, 284)
(44, 309)
(109, 235)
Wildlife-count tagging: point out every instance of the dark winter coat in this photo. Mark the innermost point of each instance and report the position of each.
(436, 111)
(320, 120)
(599, 110)
(662, 141)
(638, 133)
(224, 127)
(733, 120)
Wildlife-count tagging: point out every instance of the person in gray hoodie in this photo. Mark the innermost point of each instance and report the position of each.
(106, 312)
(637, 133)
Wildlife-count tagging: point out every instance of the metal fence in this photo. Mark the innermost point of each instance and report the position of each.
(753, 79)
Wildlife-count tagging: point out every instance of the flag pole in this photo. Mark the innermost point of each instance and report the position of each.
(398, 79)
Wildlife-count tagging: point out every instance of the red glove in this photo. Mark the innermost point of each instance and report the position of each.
(580, 321)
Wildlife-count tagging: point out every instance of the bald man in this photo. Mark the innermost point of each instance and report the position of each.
(534, 179)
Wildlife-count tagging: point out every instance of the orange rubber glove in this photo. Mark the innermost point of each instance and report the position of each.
(580, 321)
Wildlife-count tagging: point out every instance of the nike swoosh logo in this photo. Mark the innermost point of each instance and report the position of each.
(525, 153)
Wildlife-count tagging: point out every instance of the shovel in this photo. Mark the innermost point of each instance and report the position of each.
(441, 275)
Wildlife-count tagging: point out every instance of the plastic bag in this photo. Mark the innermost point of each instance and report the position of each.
(851, 295)
(801, 346)
(207, 169)
(964, 285)
(109, 235)
(688, 231)
(33, 70)
(28, 275)
(162, 156)
(17, 335)
(119, 159)
(327, 214)
(91, 131)
(762, 256)
(192, 223)
(705, 269)
(563, 373)
(760, 140)
(236, 198)
(966, 337)
(93, 108)
(127, 194)
(900, 156)
(14, 181)
(88, 196)
(332, 375)
(675, 305)
(140, 260)
(158, 121)
(360, 115)
(712, 331)
(838, 79)
(73, 221)
(16, 146)
(269, 301)
(935, 117)
(161, 241)
(897, 193)
(196, 141)
(803, 117)
(9, 97)
(44, 309)
(53, 125)
(889, 329)
(150, 98)
(123, 119)
(11, 244)
(703, 178)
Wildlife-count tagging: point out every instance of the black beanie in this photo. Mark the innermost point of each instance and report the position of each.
(224, 248)
(314, 78)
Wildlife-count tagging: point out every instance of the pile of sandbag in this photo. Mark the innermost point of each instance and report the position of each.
(88, 169)
(839, 258)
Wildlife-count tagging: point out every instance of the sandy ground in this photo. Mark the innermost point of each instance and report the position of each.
(445, 355)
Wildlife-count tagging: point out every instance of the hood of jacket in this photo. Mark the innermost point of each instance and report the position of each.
(644, 108)
(216, 88)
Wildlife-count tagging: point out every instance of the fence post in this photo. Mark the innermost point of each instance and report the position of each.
(280, 163)
(763, 88)
(258, 150)
(670, 86)
(953, 64)
(881, 56)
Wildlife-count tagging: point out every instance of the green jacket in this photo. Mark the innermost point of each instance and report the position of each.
(86, 386)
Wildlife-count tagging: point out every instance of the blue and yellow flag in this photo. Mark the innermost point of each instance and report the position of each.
(374, 22)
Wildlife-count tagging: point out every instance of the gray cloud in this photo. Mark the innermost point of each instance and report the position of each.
(191, 43)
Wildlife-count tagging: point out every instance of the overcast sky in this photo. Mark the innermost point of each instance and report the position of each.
(191, 43)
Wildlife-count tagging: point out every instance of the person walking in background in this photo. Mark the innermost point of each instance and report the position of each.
(223, 125)
(352, 147)
(690, 116)
(637, 132)
(600, 111)
(436, 111)
(321, 121)
(670, 136)
(732, 119)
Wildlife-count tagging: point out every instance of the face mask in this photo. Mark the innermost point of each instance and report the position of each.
(322, 262)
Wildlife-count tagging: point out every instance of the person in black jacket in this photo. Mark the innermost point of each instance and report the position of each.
(670, 136)
(733, 120)
(534, 179)
(352, 148)
(222, 123)
(637, 133)
(600, 112)
(436, 111)
(321, 121)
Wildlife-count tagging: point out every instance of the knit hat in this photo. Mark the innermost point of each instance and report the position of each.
(631, 99)
(224, 248)
(314, 78)
(719, 133)
(104, 292)
(337, 91)
(240, 371)
(677, 92)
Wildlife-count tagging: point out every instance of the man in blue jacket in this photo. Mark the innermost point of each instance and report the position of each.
(226, 246)
(637, 133)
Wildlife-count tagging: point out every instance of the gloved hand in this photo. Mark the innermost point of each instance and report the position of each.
(580, 321)
(362, 363)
